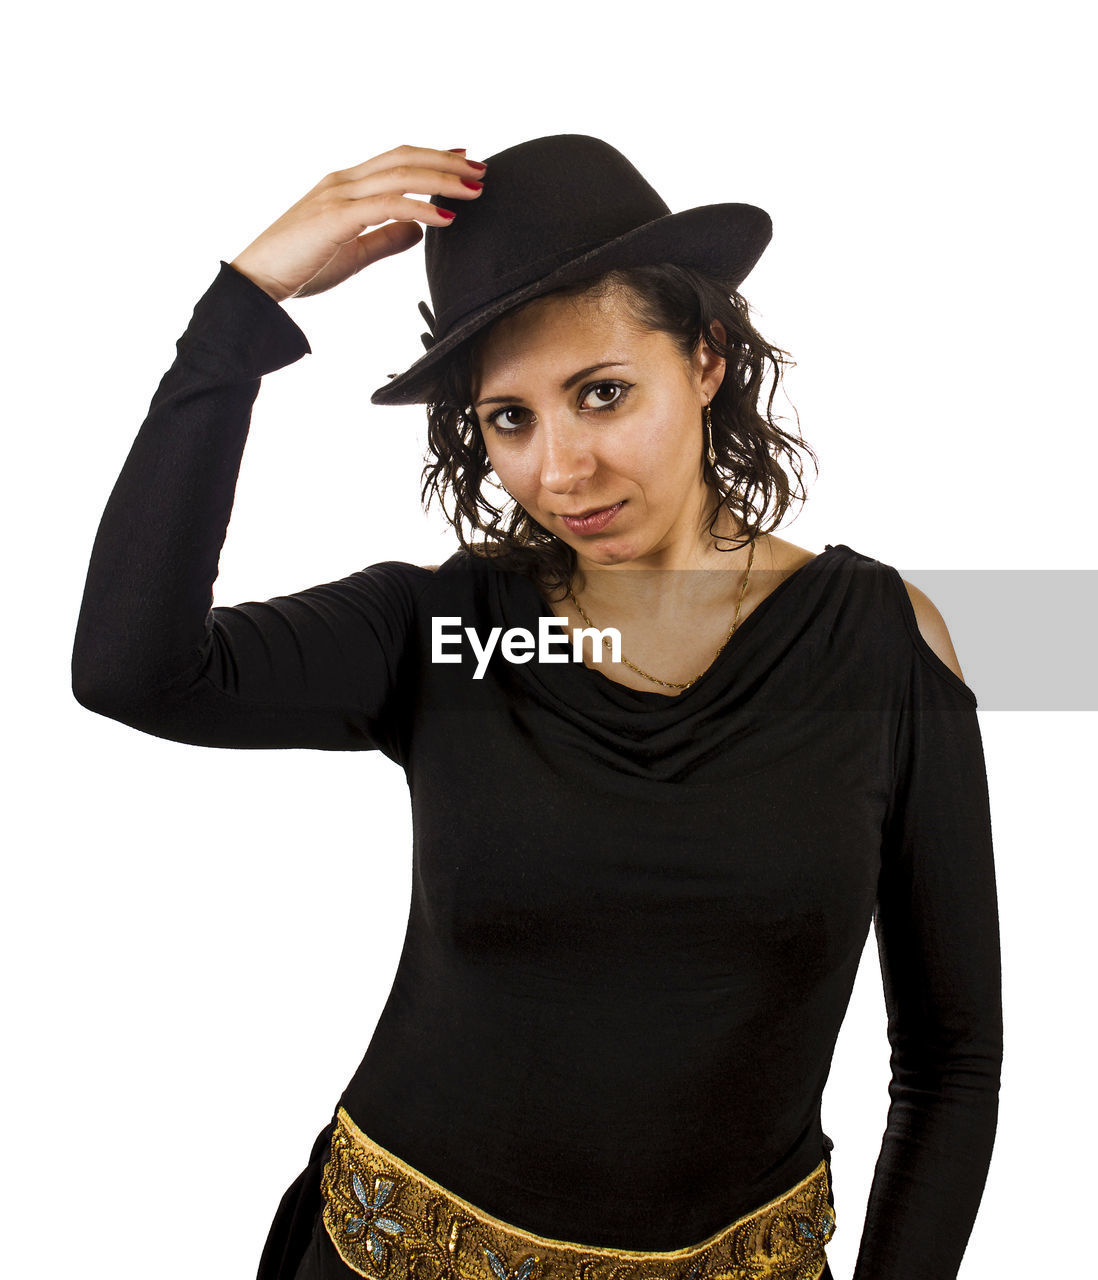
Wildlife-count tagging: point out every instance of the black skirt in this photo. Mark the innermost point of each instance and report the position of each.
(291, 1232)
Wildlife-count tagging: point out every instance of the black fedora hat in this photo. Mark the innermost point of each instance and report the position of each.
(553, 211)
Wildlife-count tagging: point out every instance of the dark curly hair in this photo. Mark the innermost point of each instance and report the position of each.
(682, 303)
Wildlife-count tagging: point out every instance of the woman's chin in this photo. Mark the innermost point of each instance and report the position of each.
(606, 551)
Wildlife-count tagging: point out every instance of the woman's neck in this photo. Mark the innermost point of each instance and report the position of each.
(678, 582)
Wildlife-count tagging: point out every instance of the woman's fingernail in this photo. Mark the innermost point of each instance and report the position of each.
(476, 164)
(461, 149)
(446, 213)
(476, 186)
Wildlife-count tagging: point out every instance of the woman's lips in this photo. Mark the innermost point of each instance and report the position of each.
(595, 522)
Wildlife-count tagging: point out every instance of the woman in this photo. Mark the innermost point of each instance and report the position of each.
(644, 874)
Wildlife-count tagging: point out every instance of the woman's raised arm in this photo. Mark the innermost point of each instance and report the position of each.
(316, 669)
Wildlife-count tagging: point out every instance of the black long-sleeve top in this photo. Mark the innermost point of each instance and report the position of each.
(636, 919)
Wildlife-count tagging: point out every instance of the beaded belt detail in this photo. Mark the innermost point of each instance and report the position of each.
(385, 1218)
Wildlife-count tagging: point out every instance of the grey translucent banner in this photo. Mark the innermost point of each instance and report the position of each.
(1024, 637)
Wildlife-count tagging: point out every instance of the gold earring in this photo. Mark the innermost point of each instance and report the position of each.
(710, 453)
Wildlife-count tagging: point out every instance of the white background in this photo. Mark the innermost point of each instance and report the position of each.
(196, 943)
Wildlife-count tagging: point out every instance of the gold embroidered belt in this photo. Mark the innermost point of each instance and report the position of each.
(387, 1219)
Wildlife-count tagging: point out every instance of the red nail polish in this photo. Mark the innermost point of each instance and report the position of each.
(461, 149)
(476, 164)
(447, 213)
(475, 186)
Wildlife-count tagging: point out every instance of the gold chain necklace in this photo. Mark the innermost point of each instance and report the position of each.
(670, 684)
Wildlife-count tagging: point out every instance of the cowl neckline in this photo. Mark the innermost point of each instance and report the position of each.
(514, 600)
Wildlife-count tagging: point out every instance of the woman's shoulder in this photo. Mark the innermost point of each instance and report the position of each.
(476, 557)
(462, 562)
(932, 628)
(922, 616)
(787, 557)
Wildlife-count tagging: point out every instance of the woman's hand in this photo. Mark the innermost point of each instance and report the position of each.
(319, 242)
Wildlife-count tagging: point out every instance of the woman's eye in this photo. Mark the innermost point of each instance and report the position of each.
(603, 387)
(505, 425)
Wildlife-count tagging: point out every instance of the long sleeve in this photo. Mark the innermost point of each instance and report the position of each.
(937, 931)
(315, 669)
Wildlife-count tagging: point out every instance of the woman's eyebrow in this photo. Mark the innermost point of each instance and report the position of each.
(564, 386)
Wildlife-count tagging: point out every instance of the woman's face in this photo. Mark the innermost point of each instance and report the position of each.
(582, 410)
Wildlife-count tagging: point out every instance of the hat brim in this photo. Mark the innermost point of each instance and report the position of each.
(723, 241)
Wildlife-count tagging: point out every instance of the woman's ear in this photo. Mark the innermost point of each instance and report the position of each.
(711, 367)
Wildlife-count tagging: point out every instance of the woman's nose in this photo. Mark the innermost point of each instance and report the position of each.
(566, 458)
